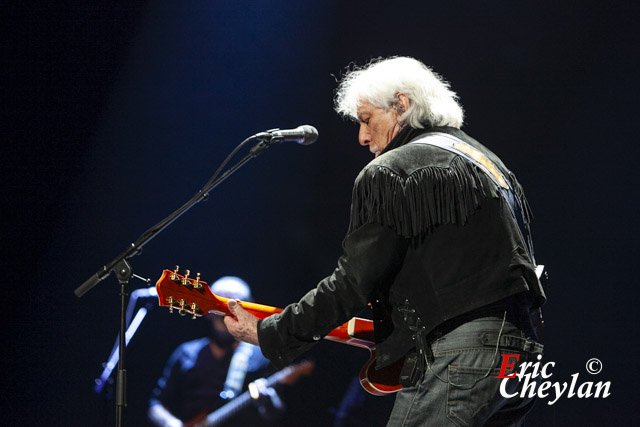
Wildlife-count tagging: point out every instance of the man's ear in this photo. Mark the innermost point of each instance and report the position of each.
(403, 104)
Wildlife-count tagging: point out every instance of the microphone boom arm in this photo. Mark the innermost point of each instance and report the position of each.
(136, 248)
(123, 270)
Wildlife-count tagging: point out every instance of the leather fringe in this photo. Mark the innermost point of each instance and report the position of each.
(519, 192)
(414, 205)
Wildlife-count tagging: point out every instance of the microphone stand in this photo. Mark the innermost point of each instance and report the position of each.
(132, 327)
(123, 270)
(102, 381)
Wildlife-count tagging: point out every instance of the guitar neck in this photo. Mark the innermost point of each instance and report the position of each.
(194, 297)
(224, 413)
(236, 405)
(258, 310)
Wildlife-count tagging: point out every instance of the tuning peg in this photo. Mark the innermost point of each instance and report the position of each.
(175, 273)
(182, 311)
(170, 301)
(185, 280)
(194, 310)
(197, 284)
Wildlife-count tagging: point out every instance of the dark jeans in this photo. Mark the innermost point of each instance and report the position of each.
(459, 386)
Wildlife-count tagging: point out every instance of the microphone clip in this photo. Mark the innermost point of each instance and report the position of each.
(267, 135)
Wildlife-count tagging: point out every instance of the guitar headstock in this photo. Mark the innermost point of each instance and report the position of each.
(188, 295)
(195, 297)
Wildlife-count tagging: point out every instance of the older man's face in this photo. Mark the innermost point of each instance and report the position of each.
(377, 127)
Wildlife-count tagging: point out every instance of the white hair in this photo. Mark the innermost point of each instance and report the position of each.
(380, 82)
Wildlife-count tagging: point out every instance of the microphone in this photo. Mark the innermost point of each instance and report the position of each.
(303, 135)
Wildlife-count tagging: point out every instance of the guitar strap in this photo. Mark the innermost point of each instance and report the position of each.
(237, 371)
(457, 146)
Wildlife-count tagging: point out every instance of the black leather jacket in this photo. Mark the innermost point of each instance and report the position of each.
(429, 234)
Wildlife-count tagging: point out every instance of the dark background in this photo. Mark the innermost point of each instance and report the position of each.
(115, 113)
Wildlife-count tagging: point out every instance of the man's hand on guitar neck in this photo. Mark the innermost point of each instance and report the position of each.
(242, 325)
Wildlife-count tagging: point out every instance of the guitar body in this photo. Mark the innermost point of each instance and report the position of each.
(194, 297)
(380, 382)
(358, 332)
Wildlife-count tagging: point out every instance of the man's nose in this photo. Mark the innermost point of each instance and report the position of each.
(363, 136)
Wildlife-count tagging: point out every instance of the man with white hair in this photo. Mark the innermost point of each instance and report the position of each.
(204, 374)
(438, 245)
